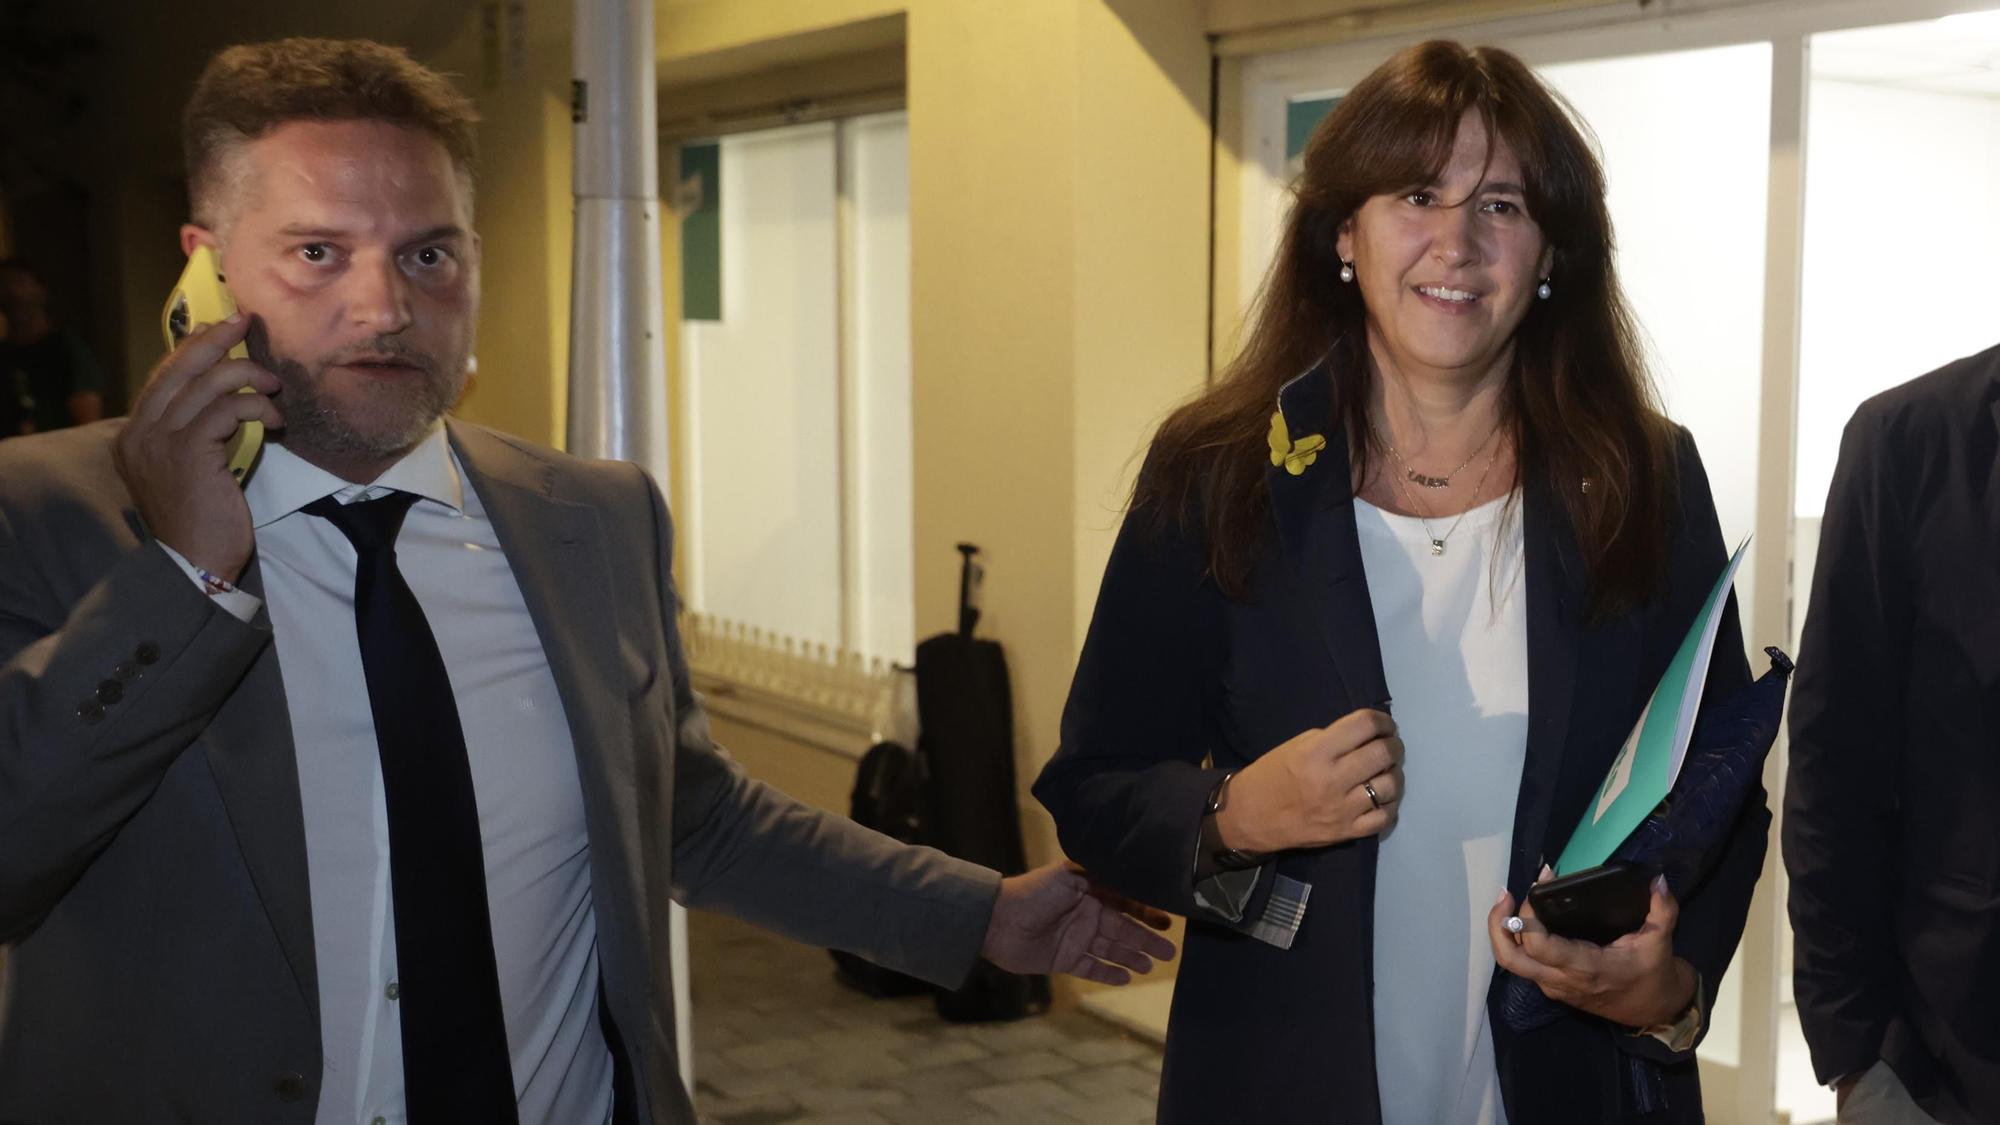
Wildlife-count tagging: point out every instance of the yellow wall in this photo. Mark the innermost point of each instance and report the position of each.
(524, 226)
(1058, 222)
(1141, 267)
(686, 29)
(994, 324)
(1059, 234)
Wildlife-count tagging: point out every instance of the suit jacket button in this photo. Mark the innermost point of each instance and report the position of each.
(128, 670)
(147, 653)
(90, 711)
(291, 1086)
(110, 691)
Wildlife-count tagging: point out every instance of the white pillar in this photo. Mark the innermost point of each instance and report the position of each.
(617, 362)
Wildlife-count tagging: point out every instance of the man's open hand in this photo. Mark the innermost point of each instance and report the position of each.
(1055, 920)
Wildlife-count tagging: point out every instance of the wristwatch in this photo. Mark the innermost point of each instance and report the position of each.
(1686, 1028)
(1229, 859)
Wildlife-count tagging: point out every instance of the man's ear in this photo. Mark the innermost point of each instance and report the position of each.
(193, 235)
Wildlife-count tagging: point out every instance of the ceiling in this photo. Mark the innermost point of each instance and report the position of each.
(1953, 55)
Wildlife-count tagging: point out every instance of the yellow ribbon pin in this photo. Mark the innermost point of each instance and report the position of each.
(1295, 456)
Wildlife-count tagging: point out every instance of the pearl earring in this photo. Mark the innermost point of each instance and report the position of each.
(1347, 271)
(1543, 291)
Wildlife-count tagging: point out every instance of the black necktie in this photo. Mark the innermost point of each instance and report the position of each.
(455, 1062)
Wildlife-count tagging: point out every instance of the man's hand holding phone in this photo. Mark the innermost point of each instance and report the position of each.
(173, 452)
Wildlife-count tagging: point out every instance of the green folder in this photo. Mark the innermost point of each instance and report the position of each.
(1645, 769)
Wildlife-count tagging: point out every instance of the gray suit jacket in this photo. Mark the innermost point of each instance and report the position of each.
(158, 956)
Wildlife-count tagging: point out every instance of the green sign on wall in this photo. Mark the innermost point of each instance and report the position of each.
(1301, 118)
(701, 231)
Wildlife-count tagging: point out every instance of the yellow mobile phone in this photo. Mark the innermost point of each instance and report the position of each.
(200, 297)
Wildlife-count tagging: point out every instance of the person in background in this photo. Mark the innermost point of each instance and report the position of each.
(1437, 474)
(1890, 836)
(47, 377)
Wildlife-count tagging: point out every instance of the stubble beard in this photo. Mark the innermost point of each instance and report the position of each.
(398, 415)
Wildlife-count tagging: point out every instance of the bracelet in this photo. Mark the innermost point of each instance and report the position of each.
(213, 584)
(1229, 859)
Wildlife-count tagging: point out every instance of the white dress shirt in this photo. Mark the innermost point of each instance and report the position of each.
(1454, 639)
(524, 776)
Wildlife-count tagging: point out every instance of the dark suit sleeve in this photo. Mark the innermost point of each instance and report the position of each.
(746, 849)
(1126, 786)
(97, 700)
(1712, 914)
(1846, 730)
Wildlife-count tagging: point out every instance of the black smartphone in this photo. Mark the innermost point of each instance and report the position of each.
(1598, 904)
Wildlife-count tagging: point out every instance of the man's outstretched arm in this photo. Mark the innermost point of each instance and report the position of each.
(746, 849)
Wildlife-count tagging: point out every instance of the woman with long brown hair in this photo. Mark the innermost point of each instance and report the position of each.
(1435, 485)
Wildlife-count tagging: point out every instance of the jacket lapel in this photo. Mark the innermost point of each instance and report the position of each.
(557, 551)
(1314, 511)
(1993, 475)
(250, 754)
(1555, 605)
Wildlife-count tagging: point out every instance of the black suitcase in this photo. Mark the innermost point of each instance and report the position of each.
(966, 712)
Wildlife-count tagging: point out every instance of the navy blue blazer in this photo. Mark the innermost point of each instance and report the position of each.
(1178, 683)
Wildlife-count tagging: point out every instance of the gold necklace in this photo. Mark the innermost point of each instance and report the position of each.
(1420, 478)
(1423, 516)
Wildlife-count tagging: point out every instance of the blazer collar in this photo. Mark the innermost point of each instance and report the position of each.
(1312, 502)
(285, 482)
(1993, 474)
(558, 554)
(557, 548)
(1555, 591)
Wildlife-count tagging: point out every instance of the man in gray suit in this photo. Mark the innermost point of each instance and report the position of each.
(359, 793)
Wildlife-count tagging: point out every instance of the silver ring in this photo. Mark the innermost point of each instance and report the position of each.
(1374, 798)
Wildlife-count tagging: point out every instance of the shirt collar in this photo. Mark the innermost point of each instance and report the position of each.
(284, 482)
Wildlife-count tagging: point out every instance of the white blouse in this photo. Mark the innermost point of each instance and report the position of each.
(1454, 641)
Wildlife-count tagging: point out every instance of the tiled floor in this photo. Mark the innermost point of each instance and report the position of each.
(779, 1040)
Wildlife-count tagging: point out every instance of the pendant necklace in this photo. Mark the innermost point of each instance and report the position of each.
(1416, 477)
(1423, 516)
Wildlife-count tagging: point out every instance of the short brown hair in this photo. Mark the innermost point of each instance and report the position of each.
(249, 89)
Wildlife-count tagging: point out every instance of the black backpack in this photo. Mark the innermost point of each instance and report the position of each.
(888, 797)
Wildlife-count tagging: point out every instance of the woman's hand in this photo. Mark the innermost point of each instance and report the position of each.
(1636, 981)
(1313, 789)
